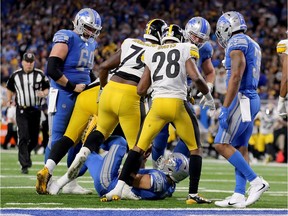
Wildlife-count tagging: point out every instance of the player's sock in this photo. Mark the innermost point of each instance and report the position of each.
(94, 140)
(50, 164)
(195, 166)
(240, 182)
(239, 163)
(131, 165)
(60, 149)
(63, 180)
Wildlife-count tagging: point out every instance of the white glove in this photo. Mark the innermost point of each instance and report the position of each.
(209, 101)
(210, 87)
(223, 62)
(281, 107)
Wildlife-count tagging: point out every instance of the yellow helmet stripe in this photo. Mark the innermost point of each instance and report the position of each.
(170, 30)
(148, 26)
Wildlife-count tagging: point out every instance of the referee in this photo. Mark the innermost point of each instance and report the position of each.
(30, 87)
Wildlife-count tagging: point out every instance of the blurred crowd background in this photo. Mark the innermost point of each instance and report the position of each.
(29, 25)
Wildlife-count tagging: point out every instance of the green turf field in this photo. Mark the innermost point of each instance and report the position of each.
(217, 182)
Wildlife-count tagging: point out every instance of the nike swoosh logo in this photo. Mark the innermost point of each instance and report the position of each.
(263, 185)
(231, 203)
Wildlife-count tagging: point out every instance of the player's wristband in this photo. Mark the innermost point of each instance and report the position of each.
(281, 99)
(208, 96)
(70, 86)
(210, 86)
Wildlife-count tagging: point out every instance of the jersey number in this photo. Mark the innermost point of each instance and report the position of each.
(86, 60)
(138, 59)
(173, 57)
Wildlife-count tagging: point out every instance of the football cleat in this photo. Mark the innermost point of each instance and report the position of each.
(236, 200)
(197, 200)
(43, 177)
(256, 190)
(128, 194)
(114, 194)
(77, 164)
(53, 187)
(74, 188)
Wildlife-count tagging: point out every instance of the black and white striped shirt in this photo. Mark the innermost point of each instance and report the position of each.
(25, 85)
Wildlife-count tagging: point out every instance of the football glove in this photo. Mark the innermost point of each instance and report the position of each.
(210, 87)
(209, 101)
(223, 117)
(281, 107)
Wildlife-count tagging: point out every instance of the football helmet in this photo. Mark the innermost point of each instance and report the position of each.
(154, 29)
(173, 32)
(269, 109)
(198, 27)
(87, 24)
(227, 24)
(176, 166)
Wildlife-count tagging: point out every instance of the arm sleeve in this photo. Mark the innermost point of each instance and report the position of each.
(54, 66)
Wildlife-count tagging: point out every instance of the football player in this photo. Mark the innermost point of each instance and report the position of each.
(241, 104)
(166, 72)
(84, 109)
(282, 50)
(69, 67)
(148, 184)
(197, 31)
(119, 101)
(268, 121)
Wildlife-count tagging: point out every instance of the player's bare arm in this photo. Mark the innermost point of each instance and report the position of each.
(194, 74)
(107, 65)
(237, 69)
(284, 79)
(208, 70)
(144, 83)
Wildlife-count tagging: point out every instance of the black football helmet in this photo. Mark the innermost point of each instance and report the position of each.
(154, 29)
(173, 32)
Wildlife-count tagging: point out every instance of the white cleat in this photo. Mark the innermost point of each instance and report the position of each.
(114, 194)
(77, 164)
(74, 188)
(256, 190)
(236, 200)
(53, 188)
(128, 194)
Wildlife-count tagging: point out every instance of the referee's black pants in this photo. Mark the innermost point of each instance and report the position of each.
(28, 122)
(11, 133)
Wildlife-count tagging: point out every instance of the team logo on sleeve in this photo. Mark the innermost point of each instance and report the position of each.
(281, 48)
(194, 52)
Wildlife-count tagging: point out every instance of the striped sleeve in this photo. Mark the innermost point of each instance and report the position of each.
(282, 47)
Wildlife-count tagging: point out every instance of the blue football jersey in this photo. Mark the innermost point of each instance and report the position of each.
(205, 52)
(252, 53)
(80, 58)
(160, 187)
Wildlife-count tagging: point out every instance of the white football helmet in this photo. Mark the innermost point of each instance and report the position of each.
(176, 166)
(198, 27)
(87, 23)
(227, 24)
